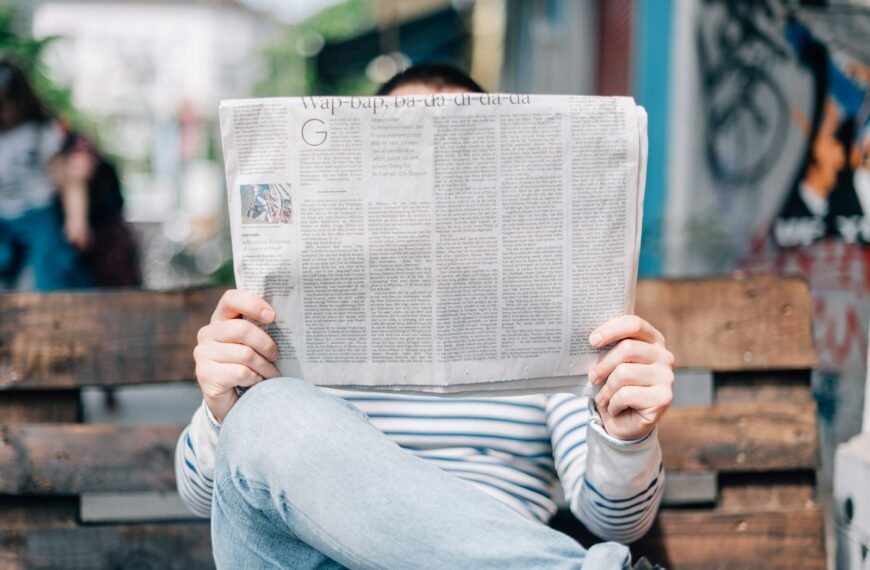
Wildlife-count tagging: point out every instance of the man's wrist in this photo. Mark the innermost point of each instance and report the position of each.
(214, 420)
(597, 425)
(618, 443)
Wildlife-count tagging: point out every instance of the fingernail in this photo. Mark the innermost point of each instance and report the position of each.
(595, 339)
(592, 376)
(266, 315)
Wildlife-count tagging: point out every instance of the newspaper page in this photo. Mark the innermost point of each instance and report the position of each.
(452, 243)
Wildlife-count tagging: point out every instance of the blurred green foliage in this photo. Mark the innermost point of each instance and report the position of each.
(341, 21)
(224, 275)
(28, 52)
(290, 71)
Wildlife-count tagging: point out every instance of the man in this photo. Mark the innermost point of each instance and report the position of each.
(302, 477)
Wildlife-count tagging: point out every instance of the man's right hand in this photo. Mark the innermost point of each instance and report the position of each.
(231, 351)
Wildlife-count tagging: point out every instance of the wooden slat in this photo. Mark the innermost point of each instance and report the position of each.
(741, 436)
(699, 540)
(17, 513)
(710, 539)
(37, 512)
(732, 324)
(145, 547)
(680, 540)
(771, 491)
(21, 514)
(31, 406)
(50, 459)
(67, 340)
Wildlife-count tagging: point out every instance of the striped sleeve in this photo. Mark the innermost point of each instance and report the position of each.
(613, 487)
(194, 462)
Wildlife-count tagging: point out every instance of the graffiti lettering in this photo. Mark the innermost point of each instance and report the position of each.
(747, 113)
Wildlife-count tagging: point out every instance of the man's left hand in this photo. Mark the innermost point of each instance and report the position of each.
(637, 373)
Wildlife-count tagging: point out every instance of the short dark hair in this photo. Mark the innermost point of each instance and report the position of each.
(437, 75)
(16, 90)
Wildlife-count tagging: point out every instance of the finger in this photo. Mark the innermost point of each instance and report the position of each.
(625, 374)
(626, 326)
(237, 303)
(216, 378)
(231, 375)
(229, 353)
(241, 332)
(628, 350)
(649, 403)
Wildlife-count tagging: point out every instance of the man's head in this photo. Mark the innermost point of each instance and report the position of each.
(426, 78)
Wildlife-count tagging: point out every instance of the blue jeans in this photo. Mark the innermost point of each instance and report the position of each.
(303, 480)
(35, 239)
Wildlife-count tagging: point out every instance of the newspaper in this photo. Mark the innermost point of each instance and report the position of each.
(454, 243)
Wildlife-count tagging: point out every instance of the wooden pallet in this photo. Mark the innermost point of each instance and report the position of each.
(741, 468)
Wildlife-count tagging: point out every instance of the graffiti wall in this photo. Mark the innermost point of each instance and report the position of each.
(782, 181)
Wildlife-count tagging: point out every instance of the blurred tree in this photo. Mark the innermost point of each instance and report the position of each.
(27, 51)
(289, 60)
(334, 24)
(341, 21)
(224, 275)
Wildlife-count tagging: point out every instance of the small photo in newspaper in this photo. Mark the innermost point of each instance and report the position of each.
(266, 204)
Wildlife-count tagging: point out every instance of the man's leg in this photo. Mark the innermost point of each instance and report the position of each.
(246, 535)
(300, 472)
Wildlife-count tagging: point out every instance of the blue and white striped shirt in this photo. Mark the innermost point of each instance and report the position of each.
(518, 450)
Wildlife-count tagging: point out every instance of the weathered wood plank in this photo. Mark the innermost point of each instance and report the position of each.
(698, 540)
(51, 459)
(37, 512)
(65, 340)
(76, 458)
(766, 491)
(68, 340)
(741, 436)
(40, 406)
(145, 547)
(712, 540)
(732, 324)
(20, 514)
(681, 540)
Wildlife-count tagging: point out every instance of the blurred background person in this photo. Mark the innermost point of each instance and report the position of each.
(36, 232)
(110, 252)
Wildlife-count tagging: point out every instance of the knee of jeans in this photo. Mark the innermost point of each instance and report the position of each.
(272, 423)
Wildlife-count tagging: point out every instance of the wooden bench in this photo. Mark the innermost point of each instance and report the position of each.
(741, 460)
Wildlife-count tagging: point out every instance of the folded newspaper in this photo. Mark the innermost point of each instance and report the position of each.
(448, 244)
